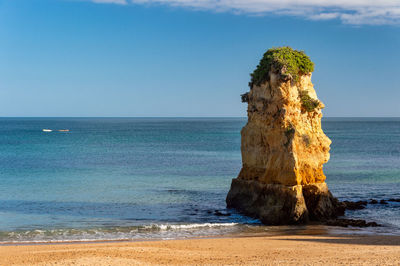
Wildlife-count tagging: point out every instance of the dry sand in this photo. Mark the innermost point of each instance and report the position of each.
(292, 249)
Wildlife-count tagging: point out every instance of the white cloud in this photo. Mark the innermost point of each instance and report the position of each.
(348, 11)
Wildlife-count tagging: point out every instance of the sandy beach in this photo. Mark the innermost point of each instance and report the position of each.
(288, 249)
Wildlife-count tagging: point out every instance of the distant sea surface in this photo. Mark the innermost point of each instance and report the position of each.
(162, 178)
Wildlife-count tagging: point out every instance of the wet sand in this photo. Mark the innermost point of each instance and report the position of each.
(287, 249)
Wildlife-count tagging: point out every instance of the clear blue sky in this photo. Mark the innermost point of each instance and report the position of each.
(82, 58)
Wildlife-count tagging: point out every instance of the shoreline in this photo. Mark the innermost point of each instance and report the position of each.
(261, 249)
(252, 231)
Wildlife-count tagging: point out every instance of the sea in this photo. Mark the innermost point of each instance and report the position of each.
(167, 178)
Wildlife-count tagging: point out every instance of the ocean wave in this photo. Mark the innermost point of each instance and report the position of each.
(188, 226)
(150, 231)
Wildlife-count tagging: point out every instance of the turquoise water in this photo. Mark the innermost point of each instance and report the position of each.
(130, 178)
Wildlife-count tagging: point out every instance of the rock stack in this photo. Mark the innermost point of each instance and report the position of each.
(283, 145)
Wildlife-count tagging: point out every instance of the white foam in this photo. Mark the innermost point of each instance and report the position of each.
(151, 231)
(188, 226)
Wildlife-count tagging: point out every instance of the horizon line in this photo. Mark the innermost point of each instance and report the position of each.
(180, 117)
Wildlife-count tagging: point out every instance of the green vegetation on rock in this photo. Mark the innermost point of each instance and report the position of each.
(289, 133)
(306, 140)
(290, 63)
(308, 103)
(245, 97)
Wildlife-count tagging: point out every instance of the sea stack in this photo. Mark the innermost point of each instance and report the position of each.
(283, 145)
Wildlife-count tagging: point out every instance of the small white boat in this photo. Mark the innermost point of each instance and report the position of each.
(63, 130)
(47, 130)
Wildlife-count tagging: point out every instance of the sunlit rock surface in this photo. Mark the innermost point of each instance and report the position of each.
(283, 152)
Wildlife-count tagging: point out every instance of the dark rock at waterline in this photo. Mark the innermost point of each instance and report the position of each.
(320, 203)
(351, 222)
(383, 202)
(218, 213)
(373, 201)
(276, 204)
(355, 205)
(394, 200)
(271, 203)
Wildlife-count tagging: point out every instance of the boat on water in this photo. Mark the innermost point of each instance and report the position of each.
(59, 130)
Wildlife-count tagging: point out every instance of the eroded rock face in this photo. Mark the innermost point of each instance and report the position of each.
(272, 203)
(283, 152)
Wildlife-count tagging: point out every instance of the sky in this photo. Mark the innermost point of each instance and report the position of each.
(191, 57)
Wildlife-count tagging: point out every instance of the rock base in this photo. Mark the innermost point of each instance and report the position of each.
(276, 204)
(351, 222)
(320, 202)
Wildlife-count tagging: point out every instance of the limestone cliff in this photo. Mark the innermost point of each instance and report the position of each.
(283, 145)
